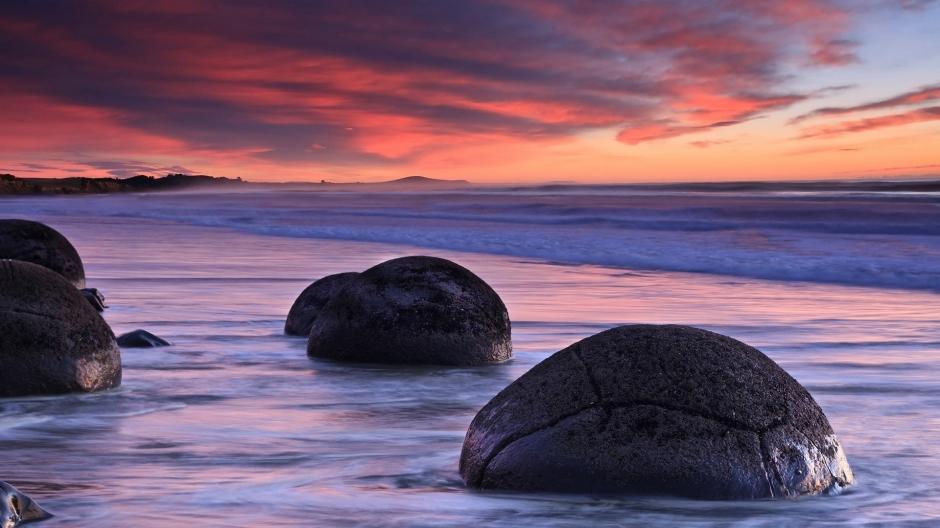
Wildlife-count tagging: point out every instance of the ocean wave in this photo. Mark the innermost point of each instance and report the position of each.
(881, 241)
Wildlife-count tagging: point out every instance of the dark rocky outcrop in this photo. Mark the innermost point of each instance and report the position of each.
(40, 244)
(416, 310)
(51, 340)
(311, 301)
(141, 339)
(10, 184)
(656, 409)
(16, 508)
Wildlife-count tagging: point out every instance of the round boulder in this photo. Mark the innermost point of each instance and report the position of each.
(416, 310)
(656, 410)
(40, 244)
(51, 340)
(312, 300)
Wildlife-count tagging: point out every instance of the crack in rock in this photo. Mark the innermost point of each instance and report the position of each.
(599, 399)
(767, 461)
(590, 375)
(34, 314)
(609, 407)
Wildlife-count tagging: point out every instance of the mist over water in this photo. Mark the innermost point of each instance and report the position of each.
(235, 426)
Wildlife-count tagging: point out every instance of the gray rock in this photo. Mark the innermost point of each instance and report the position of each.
(51, 340)
(141, 339)
(40, 244)
(95, 298)
(311, 301)
(415, 310)
(16, 508)
(656, 409)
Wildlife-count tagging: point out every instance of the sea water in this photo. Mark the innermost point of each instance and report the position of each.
(234, 426)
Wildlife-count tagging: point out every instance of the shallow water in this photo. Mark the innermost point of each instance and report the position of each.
(235, 426)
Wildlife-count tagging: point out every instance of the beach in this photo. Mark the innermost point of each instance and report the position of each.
(234, 425)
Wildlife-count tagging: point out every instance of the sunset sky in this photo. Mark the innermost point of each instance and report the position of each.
(514, 91)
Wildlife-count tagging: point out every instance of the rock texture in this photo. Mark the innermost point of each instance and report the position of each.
(51, 339)
(417, 310)
(40, 244)
(656, 409)
(311, 301)
(141, 339)
(16, 508)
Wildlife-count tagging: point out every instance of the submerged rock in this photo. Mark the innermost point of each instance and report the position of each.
(51, 340)
(417, 310)
(311, 301)
(16, 508)
(141, 339)
(95, 298)
(40, 244)
(656, 409)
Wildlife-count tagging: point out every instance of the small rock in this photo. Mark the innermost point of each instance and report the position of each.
(95, 297)
(656, 409)
(16, 508)
(414, 310)
(40, 244)
(141, 339)
(311, 301)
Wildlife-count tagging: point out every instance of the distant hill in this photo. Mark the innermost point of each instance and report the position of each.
(422, 180)
(10, 184)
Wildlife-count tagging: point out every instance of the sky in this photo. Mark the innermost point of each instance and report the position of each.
(489, 91)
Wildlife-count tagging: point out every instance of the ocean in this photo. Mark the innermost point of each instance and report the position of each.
(235, 426)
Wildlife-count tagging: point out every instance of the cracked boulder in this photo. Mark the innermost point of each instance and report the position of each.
(51, 339)
(656, 410)
(40, 244)
(413, 310)
(312, 300)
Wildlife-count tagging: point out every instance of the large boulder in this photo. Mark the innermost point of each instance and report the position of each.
(417, 310)
(660, 410)
(51, 339)
(312, 300)
(16, 508)
(40, 244)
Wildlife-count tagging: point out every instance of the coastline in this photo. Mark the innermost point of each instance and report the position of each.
(11, 185)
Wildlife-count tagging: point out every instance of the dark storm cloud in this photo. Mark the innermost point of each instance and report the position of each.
(338, 82)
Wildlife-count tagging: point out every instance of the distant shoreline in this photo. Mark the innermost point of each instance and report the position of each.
(11, 185)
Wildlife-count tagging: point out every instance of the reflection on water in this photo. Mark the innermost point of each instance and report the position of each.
(234, 426)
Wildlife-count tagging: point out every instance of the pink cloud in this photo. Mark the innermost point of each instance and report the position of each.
(872, 123)
(921, 95)
(343, 84)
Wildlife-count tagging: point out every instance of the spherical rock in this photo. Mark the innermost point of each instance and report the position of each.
(417, 310)
(311, 301)
(51, 339)
(656, 409)
(40, 244)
